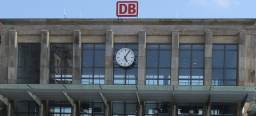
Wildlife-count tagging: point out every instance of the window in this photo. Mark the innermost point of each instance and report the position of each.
(59, 108)
(27, 108)
(92, 108)
(185, 108)
(93, 66)
(158, 64)
(191, 64)
(126, 75)
(29, 63)
(224, 65)
(153, 108)
(124, 108)
(223, 109)
(61, 62)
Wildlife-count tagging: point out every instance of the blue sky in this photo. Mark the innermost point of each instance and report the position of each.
(147, 8)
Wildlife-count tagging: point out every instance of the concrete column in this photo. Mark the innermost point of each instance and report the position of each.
(13, 57)
(108, 109)
(142, 58)
(11, 110)
(76, 109)
(43, 108)
(208, 58)
(175, 58)
(241, 58)
(109, 57)
(206, 109)
(44, 57)
(77, 56)
(174, 109)
(140, 108)
(238, 109)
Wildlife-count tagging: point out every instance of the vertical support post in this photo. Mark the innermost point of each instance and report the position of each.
(238, 109)
(45, 57)
(108, 109)
(9, 109)
(109, 57)
(142, 58)
(77, 55)
(241, 58)
(208, 58)
(43, 108)
(41, 111)
(174, 109)
(13, 57)
(207, 109)
(175, 58)
(74, 112)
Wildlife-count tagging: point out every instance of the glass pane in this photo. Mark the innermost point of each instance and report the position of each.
(164, 73)
(197, 73)
(67, 58)
(184, 60)
(87, 81)
(119, 73)
(66, 110)
(152, 46)
(36, 46)
(165, 59)
(164, 82)
(231, 59)
(185, 47)
(118, 108)
(230, 73)
(230, 109)
(217, 59)
(217, 73)
(33, 107)
(184, 82)
(218, 47)
(24, 58)
(66, 72)
(184, 73)
(24, 81)
(197, 82)
(119, 46)
(88, 58)
(87, 46)
(149, 108)
(67, 46)
(99, 58)
(99, 72)
(98, 108)
(198, 47)
(130, 108)
(24, 46)
(23, 72)
(132, 46)
(230, 83)
(35, 58)
(218, 82)
(116, 81)
(55, 58)
(56, 46)
(231, 47)
(132, 73)
(152, 58)
(151, 82)
(151, 74)
(198, 59)
(22, 106)
(87, 73)
(165, 46)
(100, 46)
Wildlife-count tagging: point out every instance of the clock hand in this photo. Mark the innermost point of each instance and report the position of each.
(126, 56)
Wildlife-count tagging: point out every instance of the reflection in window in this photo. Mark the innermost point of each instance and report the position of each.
(61, 62)
(223, 109)
(91, 108)
(191, 64)
(93, 64)
(185, 108)
(124, 108)
(59, 108)
(29, 64)
(224, 65)
(154, 108)
(27, 108)
(127, 75)
(158, 64)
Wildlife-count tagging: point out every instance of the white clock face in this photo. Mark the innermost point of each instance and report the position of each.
(125, 57)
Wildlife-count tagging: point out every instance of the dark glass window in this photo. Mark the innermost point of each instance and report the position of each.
(59, 108)
(92, 108)
(127, 75)
(191, 65)
(185, 108)
(224, 65)
(61, 62)
(154, 108)
(223, 109)
(93, 66)
(27, 108)
(158, 64)
(29, 64)
(124, 108)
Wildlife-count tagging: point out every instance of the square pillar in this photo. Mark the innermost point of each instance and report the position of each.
(140, 109)
(207, 109)
(109, 57)
(241, 58)
(77, 56)
(142, 58)
(76, 109)
(208, 58)
(44, 57)
(108, 109)
(174, 109)
(175, 58)
(13, 57)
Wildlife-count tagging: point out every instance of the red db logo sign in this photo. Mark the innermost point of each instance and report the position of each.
(127, 8)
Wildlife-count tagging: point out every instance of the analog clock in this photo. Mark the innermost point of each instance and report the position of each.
(125, 57)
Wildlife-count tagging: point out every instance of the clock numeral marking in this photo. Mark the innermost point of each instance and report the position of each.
(117, 57)
(131, 57)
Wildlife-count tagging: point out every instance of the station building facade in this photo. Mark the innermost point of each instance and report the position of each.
(63, 67)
